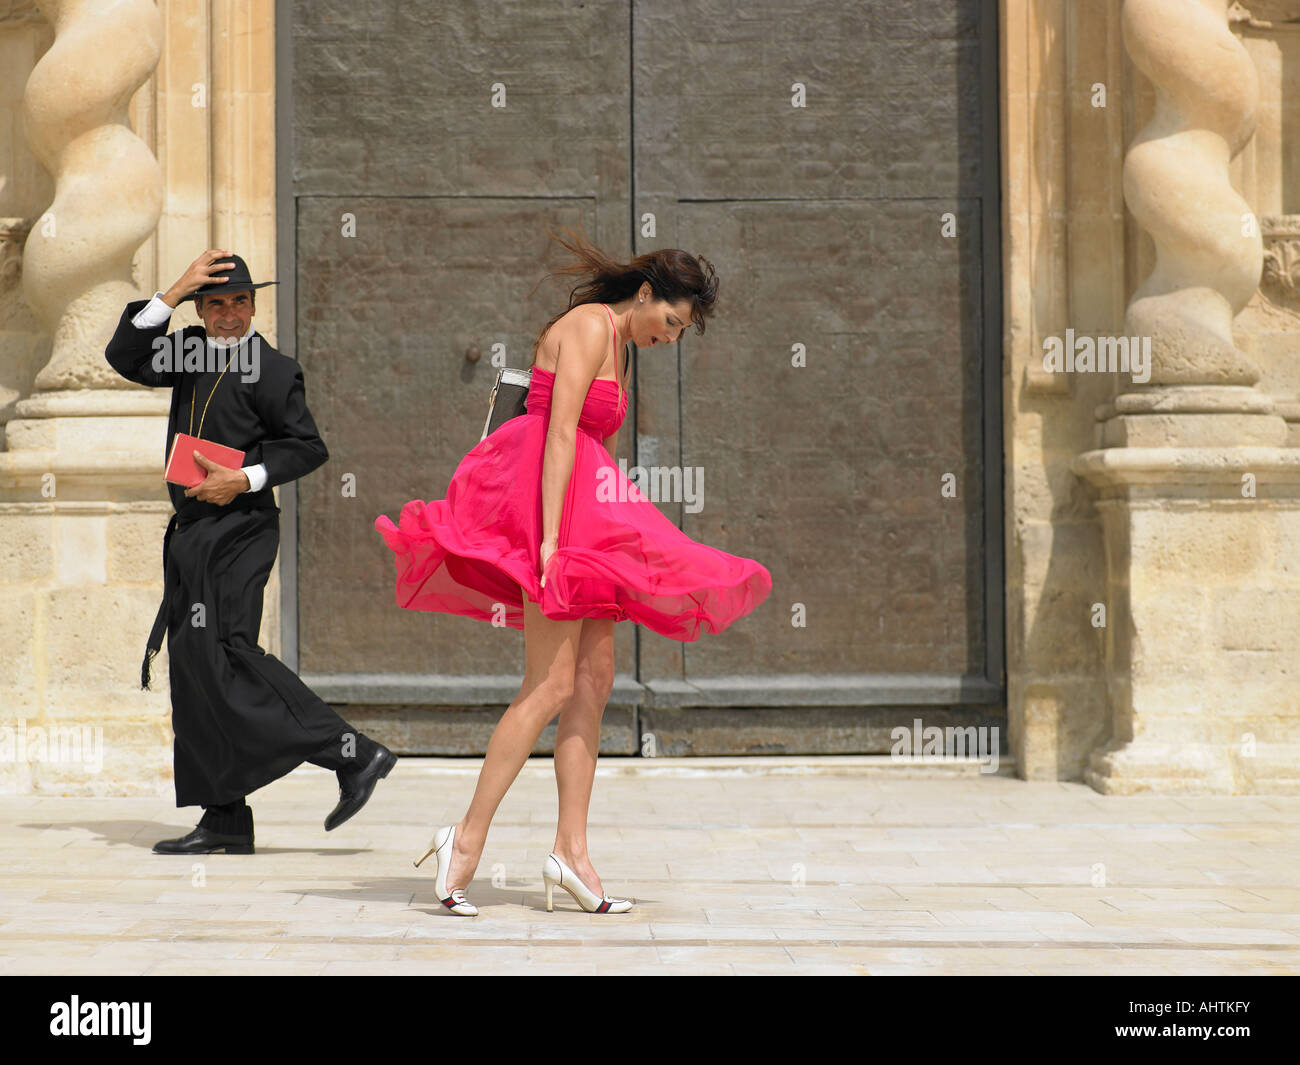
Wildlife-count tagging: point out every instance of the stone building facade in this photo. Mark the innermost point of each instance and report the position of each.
(1129, 585)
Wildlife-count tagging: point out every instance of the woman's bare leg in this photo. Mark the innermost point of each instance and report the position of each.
(577, 740)
(550, 658)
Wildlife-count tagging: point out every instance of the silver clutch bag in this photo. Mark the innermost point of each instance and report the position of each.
(508, 398)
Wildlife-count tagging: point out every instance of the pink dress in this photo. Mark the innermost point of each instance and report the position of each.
(477, 551)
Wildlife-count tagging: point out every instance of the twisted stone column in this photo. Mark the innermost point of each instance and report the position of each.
(81, 491)
(1209, 251)
(108, 192)
(1199, 502)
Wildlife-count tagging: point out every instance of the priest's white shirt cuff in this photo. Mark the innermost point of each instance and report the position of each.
(153, 314)
(256, 477)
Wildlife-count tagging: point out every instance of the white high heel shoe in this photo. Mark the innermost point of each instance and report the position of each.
(555, 872)
(455, 900)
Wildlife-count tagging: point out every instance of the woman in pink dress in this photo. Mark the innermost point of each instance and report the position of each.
(542, 530)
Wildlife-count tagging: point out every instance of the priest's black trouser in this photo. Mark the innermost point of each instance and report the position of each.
(241, 717)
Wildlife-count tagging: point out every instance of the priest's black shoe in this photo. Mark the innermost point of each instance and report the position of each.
(204, 841)
(356, 785)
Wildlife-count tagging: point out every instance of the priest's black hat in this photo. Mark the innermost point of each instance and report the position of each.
(238, 279)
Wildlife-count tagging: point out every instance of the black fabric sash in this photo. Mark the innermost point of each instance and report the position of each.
(154, 643)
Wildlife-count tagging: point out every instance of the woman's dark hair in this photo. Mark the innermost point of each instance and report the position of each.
(673, 275)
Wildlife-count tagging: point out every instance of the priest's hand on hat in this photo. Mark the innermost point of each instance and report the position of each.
(221, 485)
(207, 269)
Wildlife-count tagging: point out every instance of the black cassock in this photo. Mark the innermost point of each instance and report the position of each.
(241, 717)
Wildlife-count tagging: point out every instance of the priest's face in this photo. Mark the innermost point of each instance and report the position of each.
(226, 315)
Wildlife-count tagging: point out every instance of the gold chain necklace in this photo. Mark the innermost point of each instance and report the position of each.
(205, 405)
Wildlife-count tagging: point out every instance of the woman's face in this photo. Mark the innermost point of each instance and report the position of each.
(660, 322)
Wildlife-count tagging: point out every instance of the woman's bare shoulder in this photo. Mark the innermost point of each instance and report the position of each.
(585, 326)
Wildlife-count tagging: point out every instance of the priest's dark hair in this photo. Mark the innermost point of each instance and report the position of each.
(673, 275)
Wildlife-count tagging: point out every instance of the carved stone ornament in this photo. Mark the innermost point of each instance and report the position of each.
(1265, 14)
(1281, 254)
(19, 11)
(13, 235)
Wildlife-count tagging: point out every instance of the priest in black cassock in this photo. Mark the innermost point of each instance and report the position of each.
(241, 717)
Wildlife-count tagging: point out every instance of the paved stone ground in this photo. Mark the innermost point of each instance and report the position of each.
(831, 865)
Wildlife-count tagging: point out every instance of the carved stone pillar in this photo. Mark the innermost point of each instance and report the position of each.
(108, 186)
(82, 505)
(76, 267)
(82, 501)
(1209, 251)
(1199, 497)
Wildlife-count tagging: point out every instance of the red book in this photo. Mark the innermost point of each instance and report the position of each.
(181, 467)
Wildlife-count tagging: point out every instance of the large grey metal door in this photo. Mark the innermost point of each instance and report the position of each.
(422, 158)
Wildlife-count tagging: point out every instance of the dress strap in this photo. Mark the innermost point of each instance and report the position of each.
(616, 375)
